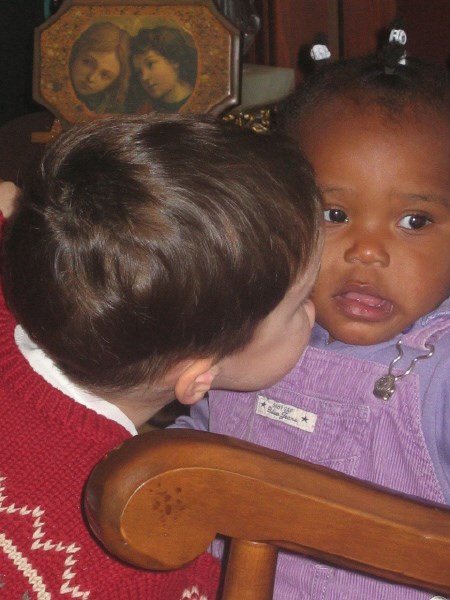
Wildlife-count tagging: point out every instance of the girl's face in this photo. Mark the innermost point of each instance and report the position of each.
(158, 76)
(386, 188)
(93, 72)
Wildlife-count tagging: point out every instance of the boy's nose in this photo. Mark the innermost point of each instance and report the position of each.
(369, 250)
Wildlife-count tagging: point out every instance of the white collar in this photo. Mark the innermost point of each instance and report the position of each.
(46, 368)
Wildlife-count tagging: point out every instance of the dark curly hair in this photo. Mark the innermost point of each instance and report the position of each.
(172, 43)
(387, 78)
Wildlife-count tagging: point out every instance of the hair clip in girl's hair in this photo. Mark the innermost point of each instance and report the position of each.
(399, 36)
(319, 50)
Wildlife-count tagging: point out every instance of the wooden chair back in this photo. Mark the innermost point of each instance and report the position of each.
(160, 499)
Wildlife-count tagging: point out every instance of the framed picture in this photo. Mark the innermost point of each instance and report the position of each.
(135, 57)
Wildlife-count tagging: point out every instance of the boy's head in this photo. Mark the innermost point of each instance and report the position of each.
(144, 243)
(377, 134)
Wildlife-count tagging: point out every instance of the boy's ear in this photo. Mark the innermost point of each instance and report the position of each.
(195, 381)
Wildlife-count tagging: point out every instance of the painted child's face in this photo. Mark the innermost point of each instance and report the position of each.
(386, 188)
(158, 76)
(93, 72)
(278, 342)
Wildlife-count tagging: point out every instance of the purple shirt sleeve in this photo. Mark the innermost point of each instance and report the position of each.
(197, 419)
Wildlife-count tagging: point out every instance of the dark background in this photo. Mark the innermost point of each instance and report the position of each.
(287, 29)
(17, 21)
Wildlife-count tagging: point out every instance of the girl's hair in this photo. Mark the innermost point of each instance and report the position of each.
(389, 79)
(145, 241)
(173, 44)
(107, 37)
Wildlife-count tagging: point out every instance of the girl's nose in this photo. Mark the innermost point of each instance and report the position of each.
(368, 249)
(144, 74)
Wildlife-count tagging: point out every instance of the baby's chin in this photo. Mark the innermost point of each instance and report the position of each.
(360, 334)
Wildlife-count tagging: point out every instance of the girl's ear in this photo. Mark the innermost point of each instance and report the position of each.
(195, 381)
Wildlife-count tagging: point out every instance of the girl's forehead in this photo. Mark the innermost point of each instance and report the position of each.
(411, 154)
(390, 109)
(343, 120)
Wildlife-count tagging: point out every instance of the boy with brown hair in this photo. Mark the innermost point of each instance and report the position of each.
(150, 258)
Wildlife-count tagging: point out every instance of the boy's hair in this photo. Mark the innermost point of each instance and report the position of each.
(173, 44)
(387, 79)
(145, 241)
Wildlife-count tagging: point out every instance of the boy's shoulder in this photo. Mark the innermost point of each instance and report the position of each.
(49, 445)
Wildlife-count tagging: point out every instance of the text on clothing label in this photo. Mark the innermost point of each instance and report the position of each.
(295, 417)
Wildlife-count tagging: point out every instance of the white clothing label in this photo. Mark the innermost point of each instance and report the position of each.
(295, 417)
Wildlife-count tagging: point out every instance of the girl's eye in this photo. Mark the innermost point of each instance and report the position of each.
(414, 222)
(106, 76)
(335, 215)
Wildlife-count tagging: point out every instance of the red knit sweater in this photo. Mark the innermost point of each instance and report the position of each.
(48, 446)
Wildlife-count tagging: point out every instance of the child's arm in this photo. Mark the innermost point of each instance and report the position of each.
(9, 194)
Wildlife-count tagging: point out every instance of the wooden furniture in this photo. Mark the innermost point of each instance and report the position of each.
(160, 499)
(17, 151)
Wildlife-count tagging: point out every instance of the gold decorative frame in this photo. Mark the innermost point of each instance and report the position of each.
(217, 41)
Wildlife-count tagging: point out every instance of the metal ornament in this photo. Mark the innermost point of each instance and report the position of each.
(385, 386)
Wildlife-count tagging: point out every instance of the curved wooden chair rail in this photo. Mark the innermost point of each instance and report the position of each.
(160, 499)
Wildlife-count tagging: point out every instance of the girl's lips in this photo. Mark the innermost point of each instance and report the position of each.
(362, 306)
